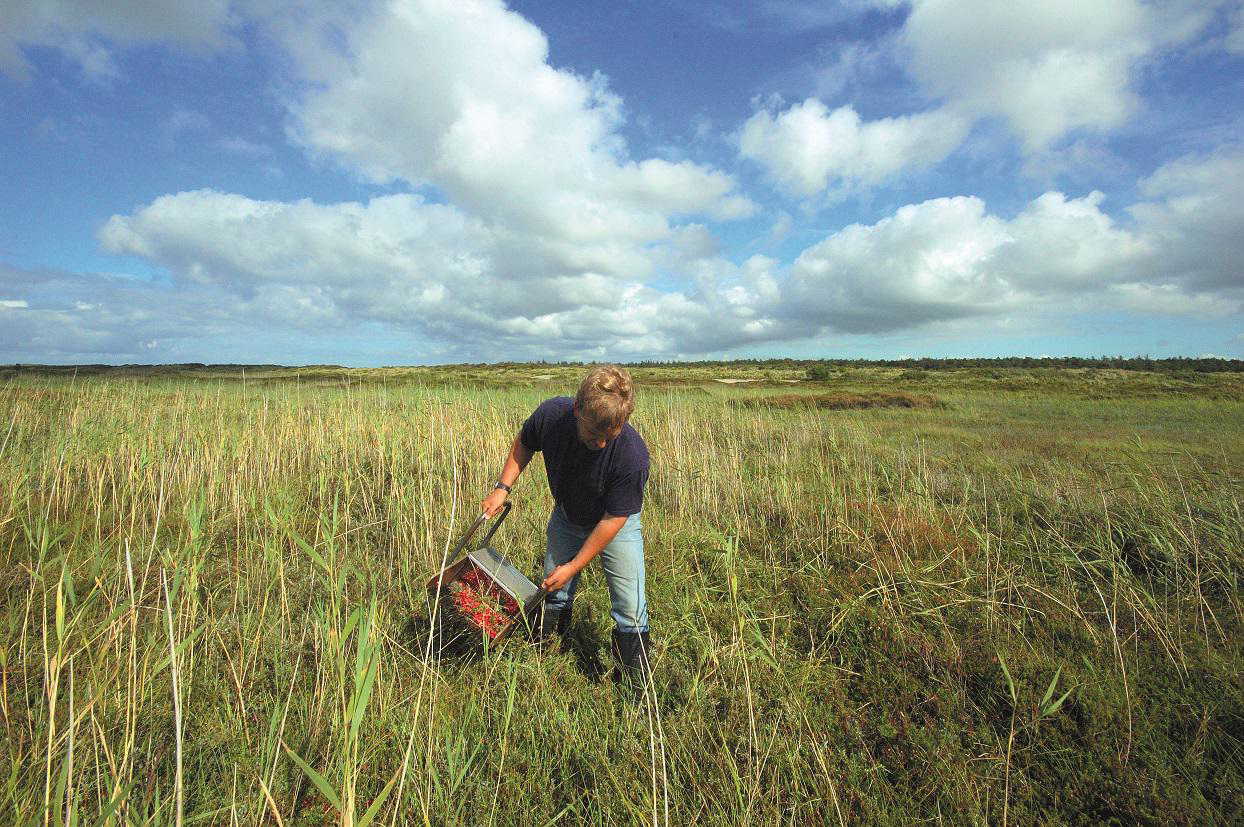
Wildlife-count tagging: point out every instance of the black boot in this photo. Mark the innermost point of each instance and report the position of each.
(554, 622)
(631, 649)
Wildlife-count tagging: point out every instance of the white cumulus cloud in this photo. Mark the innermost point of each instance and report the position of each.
(1048, 67)
(430, 268)
(548, 229)
(808, 148)
(391, 258)
(1171, 300)
(460, 95)
(949, 258)
(1070, 243)
(927, 262)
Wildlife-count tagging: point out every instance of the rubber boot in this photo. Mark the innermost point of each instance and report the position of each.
(555, 623)
(631, 649)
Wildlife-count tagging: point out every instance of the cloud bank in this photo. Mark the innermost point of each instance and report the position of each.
(516, 222)
(400, 260)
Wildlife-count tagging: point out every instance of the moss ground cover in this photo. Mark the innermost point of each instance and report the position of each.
(1021, 605)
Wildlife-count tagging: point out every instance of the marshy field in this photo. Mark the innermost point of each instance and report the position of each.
(879, 596)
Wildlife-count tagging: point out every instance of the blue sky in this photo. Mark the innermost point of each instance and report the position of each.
(423, 181)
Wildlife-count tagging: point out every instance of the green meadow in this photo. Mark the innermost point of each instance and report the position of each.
(881, 596)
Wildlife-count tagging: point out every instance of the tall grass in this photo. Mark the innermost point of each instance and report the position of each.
(1017, 608)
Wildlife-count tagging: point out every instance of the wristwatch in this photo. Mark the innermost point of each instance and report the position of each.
(502, 486)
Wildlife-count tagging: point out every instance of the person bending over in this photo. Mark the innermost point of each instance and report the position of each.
(597, 467)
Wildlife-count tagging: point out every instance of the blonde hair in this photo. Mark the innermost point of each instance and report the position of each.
(606, 397)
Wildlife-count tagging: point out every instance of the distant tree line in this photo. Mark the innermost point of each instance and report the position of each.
(815, 368)
(1173, 364)
(97, 368)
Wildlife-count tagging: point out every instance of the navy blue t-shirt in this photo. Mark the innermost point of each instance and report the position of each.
(587, 484)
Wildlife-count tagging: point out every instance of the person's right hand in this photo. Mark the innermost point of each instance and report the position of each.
(493, 502)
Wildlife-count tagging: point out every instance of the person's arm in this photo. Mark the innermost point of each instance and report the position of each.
(601, 536)
(517, 460)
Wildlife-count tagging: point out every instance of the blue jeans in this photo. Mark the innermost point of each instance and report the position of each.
(622, 559)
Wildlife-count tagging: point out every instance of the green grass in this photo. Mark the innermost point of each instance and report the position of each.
(1022, 605)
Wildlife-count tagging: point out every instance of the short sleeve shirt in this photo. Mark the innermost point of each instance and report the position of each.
(587, 484)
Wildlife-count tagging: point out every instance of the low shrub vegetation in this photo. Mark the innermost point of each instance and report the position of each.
(844, 400)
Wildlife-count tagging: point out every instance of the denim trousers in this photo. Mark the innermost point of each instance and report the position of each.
(622, 560)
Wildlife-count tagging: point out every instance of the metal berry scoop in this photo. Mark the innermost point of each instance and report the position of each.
(484, 590)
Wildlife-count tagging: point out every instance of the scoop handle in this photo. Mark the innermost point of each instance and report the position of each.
(505, 510)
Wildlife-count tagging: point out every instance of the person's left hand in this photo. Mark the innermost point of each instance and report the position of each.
(558, 578)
